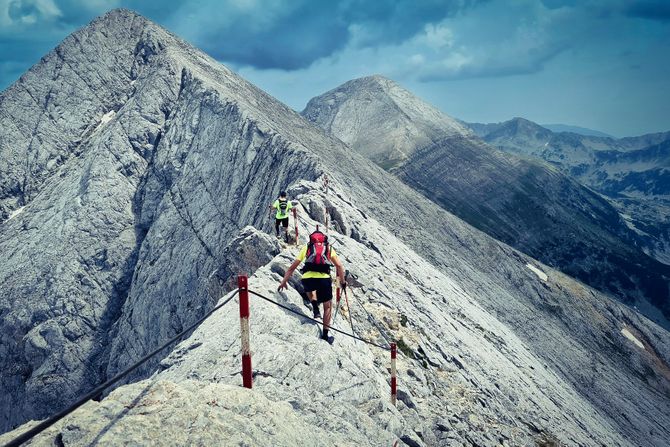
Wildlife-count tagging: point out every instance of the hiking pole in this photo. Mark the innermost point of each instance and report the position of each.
(337, 303)
(351, 321)
(346, 297)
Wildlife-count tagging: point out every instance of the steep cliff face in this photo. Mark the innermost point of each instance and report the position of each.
(526, 204)
(135, 236)
(156, 184)
(48, 115)
(75, 170)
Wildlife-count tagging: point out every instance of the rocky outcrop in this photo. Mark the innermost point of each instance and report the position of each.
(492, 351)
(525, 204)
(200, 413)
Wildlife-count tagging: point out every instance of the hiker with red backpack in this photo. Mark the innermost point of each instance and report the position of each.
(319, 257)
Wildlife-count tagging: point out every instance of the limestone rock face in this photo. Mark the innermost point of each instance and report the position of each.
(528, 205)
(136, 215)
(125, 243)
(69, 256)
(197, 413)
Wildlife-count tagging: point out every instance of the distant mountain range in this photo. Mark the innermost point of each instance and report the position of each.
(525, 203)
(482, 128)
(633, 172)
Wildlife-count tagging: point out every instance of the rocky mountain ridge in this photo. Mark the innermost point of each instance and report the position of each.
(473, 363)
(576, 129)
(135, 234)
(526, 204)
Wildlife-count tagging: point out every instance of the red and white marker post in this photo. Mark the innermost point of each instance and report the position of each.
(242, 283)
(394, 380)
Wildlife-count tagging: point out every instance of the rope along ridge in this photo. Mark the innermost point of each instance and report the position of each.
(28, 435)
(386, 348)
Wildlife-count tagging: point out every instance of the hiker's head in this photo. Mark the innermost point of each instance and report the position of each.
(282, 194)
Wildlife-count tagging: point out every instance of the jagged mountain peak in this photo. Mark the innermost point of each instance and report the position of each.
(374, 78)
(387, 110)
(522, 125)
(118, 16)
(520, 121)
(375, 83)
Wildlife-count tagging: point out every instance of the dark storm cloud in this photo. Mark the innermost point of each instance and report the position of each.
(287, 37)
(284, 34)
(654, 10)
(292, 34)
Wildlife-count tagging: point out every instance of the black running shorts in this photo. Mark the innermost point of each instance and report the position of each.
(323, 287)
(283, 222)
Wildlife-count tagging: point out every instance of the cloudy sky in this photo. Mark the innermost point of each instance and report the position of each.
(602, 64)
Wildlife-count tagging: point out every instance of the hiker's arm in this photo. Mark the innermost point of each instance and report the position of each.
(340, 270)
(287, 275)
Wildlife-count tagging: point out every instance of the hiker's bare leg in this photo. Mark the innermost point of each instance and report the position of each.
(327, 306)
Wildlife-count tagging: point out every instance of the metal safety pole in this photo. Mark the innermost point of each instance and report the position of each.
(394, 380)
(295, 221)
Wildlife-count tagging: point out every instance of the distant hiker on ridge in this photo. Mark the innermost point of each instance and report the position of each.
(282, 205)
(319, 257)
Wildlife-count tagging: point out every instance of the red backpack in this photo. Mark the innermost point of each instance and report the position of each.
(317, 258)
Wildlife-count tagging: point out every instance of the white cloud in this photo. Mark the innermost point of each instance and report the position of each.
(437, 36)
(17, 13)
(494, 40)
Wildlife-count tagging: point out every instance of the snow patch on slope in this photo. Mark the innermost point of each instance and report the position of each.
(540, 274)
(629, 335)
(15, 213)
(107, 117)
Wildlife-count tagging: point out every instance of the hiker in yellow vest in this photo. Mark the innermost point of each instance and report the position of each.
(282, 205)
(319, 257)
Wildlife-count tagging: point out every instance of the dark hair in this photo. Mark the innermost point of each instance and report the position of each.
(282, 194)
